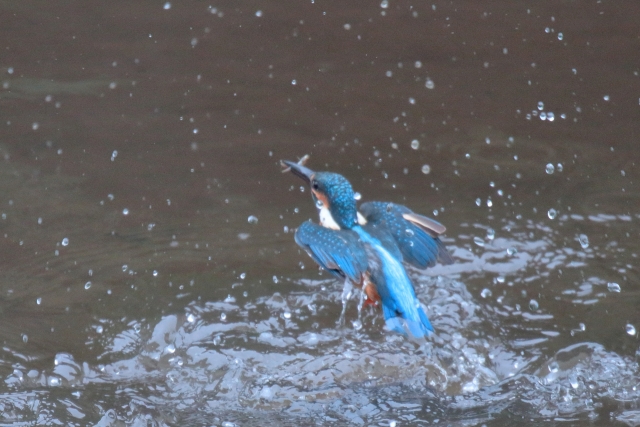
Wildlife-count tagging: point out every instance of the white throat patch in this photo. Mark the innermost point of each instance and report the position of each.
(326, 219)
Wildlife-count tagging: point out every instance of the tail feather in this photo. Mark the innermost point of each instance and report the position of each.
(396, 324)
(417, 328)
(425, 321)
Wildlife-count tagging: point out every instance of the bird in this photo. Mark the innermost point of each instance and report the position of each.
(369, 247)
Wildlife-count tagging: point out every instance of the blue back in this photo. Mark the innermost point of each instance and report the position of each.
(396, 290)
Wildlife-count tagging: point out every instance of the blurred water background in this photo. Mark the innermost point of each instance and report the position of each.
(148, 271)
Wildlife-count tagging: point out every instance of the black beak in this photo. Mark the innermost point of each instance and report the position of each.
(299, 170)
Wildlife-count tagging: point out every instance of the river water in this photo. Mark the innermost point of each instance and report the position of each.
(148, 270)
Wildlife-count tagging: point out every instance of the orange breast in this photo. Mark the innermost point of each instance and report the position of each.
(369, 290)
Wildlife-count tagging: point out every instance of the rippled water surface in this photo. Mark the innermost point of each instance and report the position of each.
(148, 270)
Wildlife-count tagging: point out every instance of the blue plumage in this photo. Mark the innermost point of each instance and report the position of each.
(418, 247)
(396, 292)
(338, 252)
(371, 253)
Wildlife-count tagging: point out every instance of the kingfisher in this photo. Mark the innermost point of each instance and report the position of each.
(368, 248)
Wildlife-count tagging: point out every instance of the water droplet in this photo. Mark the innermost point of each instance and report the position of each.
(533, 305)
(429, 84)
(559, 167)
(87, 285)
(392, 424)
(99, 329)
(613, 287)
(217, 340)
(389, 207)
(412, 101)
(294, 82)
(573, 380)
(243, 276)
(409, 232)
(549, 168)
(489, 203)
(25, 338)
(54, 381)
(155, 273)
(478, 241)
(39, 301)
(415, 144)
(287, 315)
(258, 13)
(552, 213)
(167, 6)
(631, 330)
(357, 325)
(491, 233)
(606, 98)
(500, 279)
(275, 279)
(357, 196)
(223, 316)
(171, 348)
(35, 126)
(319, 204)
(485, 293)
(114, 155)
(553, 367)
(426, 169)
(511, 251)
(560, 36)
(125, 267)
(384, 4)
(65, 242)
(478, 201)
(252, 219)
(540, 105)
(125, 211)
(584, 241)
(191, 318)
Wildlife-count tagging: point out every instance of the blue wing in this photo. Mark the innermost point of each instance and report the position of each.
(340, 252)
(415, 235)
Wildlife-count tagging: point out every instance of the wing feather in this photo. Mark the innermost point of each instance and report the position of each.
(340, 252)
(415, 235)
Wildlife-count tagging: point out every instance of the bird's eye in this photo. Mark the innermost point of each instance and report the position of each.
(314, 185)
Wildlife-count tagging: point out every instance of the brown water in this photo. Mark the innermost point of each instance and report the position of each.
(137, 138)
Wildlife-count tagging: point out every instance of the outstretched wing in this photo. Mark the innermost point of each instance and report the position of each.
(415, 235)
(340, 252)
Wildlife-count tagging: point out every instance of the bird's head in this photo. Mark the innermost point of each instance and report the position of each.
(332, 194)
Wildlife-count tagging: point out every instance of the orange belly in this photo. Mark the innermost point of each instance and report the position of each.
(369, 290)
